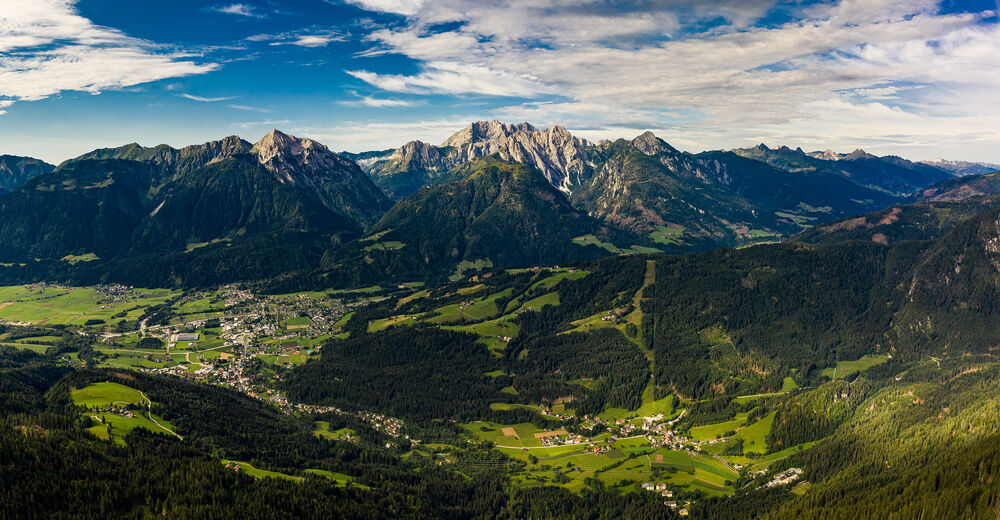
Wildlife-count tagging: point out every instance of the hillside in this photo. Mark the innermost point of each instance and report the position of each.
(94, 220)
(499, 214)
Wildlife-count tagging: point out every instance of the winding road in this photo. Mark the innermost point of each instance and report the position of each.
(149, 413)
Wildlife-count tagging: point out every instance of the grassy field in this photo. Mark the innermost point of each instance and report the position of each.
(714, 431)
(245, 467)
(322, 430)
(552, 281)
(100, 395)
(846, 368)
(625, 466)
(466, 265)
(474, 310)
(755, 435)
(667, 235)
(385, 246)
(75, 259)
(591, 240)
(70, 305)
(535, 304)
(298, 322)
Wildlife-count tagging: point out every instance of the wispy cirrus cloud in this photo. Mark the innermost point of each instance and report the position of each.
(47, 48)
(206, 99)
(249, 108)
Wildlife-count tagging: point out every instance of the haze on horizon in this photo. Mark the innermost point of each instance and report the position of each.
(912, 78)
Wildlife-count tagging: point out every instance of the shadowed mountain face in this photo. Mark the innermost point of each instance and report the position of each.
(712, 199)
(15, 171)
(224, 199)
(499, 214)
(303, 164)
(892, 175)
(925, 215)
(961, 188)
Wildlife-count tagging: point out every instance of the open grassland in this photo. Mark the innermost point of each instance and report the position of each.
(99, 395)
(322, 430)
(714, 431)
(846, 368)
(667, 235)
(71, 305)
(102, 395)
(755, 435)
(591, 240)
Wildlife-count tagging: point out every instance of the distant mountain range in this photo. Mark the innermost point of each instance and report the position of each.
(963, 167)
(492, 195)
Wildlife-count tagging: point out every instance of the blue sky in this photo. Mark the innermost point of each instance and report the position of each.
(918, 78)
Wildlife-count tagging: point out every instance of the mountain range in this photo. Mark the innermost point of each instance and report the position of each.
(492, 195)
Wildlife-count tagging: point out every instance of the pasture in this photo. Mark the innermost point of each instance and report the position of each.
(846, 368)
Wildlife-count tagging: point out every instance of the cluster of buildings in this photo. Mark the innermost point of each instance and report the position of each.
(119, 411)
(115, 293)
(785, 477)
(391, 426)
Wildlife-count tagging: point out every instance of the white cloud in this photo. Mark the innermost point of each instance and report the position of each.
(239, 10)
(47, 48)
(448, 77)
(373, 102)
(307, 38)
(206, 99)
(405, 7)
(613, 67)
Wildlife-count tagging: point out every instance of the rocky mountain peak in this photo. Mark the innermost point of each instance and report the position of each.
(762, 148)
(859, 154)
(419, 151)
(649, 144)
(828, 155)
(480, 131)
(296, 159)
(555, 152)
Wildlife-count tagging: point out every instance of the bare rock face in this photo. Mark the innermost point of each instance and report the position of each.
(299, 160)
(557, 154)
(418, 152)
(560, 157)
